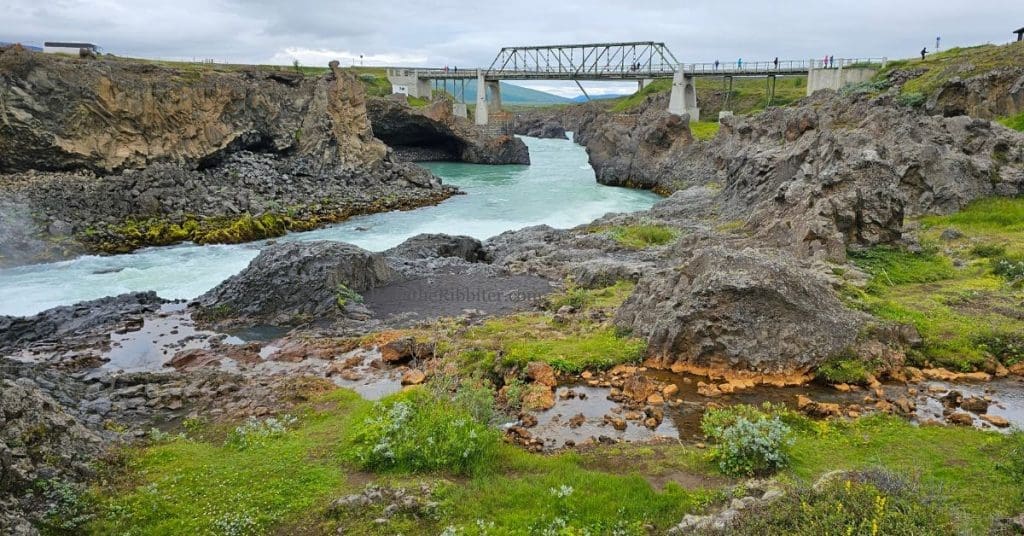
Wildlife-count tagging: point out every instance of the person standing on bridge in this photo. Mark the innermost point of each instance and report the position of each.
(832, 62)
(456, 69)
(739, 63)
(824, 62)
(716, 65)
(776, 63)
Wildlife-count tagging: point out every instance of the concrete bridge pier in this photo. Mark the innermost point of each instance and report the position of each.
(480, 114)
(484, 107)
(683, 99)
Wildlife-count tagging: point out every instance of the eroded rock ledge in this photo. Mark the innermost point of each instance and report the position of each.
(154, 155)
(433, 133)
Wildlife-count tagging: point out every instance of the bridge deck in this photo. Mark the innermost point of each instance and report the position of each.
(618, 72)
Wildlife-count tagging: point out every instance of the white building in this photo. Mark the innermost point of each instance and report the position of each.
(60, 47)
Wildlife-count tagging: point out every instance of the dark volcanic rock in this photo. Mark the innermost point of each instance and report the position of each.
(54, 325)
(433, 132)
(424, 246)
(739, 309)
(296, 282)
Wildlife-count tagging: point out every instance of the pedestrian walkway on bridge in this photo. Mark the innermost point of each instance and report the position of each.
(642, 61)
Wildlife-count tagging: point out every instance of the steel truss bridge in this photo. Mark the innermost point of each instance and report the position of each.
(642, 61)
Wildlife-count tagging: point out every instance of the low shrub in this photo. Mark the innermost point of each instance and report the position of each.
(844, 370)
(69, 507)
(866, 503)
(415, 431)
(1008, 267)
(749, 442)
(255, 432)
(988, 251)
(912, 99)
(1008, 348)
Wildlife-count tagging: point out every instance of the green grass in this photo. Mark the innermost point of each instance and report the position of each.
(630, 103)
(853, 504)
(890, 267)
(545, 488)
(1016, 122)
(515, 341)
(704, 130)
(965, 315)
(203, 486)
(285, 483)
(963, 464)
(639, 235)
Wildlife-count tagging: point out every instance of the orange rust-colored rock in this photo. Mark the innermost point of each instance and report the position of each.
(996, 420)
(538, 397)
(542, 373)
(639, 387)
(737, 377)
(414, 377)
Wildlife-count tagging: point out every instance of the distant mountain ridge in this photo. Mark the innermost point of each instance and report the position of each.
(583, 98)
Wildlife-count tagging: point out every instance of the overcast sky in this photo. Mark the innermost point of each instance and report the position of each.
(469, 34)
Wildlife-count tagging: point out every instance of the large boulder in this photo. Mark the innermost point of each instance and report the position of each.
(296, 282)
(427, 245)
(726, 309)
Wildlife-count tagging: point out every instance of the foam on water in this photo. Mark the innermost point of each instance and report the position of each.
(557, 190)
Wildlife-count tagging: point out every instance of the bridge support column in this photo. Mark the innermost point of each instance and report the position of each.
(480, 113)
(459, 110)
(683, 99)
(494, 88)
(422, 89)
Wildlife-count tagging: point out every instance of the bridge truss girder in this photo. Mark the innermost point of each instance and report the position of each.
(632, 60)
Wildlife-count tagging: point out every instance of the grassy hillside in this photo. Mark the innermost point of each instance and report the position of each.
(962, 62)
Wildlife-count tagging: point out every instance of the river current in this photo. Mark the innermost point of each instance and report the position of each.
(558, 189)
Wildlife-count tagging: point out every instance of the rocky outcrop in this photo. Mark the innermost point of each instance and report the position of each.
(725, 308)
(296, 282)
(539, 124)
(991, 95)
(154, 155)
(42, 446)
(433, 132)
(61, 323)
(128, 115)
(817, 177)
(838, 172)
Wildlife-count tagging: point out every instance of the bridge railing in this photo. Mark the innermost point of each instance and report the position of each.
(783, 66)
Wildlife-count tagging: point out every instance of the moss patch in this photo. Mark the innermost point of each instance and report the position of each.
(704, 130)
(1016, 122)
(967, 315)
(639, 235)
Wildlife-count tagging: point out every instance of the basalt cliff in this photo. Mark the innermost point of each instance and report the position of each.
(109, 155)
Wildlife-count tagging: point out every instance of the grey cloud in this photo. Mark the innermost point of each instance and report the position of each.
(469, 34)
